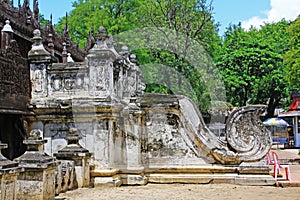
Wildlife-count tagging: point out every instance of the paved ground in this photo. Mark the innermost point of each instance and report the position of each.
(184, 192)
(291, 157)
(287, 190)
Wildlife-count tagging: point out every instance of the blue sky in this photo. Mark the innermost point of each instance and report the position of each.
(248, 12)
(234, 11)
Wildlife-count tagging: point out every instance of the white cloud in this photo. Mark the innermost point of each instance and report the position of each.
(287, 9)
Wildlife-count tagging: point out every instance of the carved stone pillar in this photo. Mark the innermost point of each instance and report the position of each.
(9, 171)
(101, 60)
(39, 60)
(37, 181)
(75, 152)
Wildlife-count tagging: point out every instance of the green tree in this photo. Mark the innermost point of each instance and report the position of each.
(292, 56)
(44, 22)
(115, 15)
(193, 19)
(251, 64)
(186, 27)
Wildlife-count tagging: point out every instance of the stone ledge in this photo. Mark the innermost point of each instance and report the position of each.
(287, 184)
(265, 180)
(104, 172)
(113, 181)
(192, 169)
(191, 175)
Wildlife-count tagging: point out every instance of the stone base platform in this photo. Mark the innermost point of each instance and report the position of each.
(189, 175)
(212, 178)
(105, 177)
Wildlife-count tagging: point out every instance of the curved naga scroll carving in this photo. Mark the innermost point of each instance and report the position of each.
(247, 139)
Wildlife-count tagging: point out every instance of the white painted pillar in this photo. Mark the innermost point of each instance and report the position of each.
(296, 131)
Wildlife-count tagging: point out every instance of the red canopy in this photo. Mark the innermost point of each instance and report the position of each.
(294, 109)
(295, 105)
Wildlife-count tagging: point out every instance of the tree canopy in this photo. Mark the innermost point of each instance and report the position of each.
(251, 64)
(178, 47)
(292, 56)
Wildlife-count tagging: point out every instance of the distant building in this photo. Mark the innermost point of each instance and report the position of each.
(294, 113)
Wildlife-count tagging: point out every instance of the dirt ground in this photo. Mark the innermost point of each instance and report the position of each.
(184, 192)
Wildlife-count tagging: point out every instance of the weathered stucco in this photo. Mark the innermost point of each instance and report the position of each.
(135, 137)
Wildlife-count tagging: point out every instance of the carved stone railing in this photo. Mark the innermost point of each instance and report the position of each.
(65, 176)
(80, 157)
(247, 140)
(37, 180)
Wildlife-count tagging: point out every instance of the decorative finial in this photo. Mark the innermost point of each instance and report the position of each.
(36, 10)
(37, 35)
(66, 32)
(26, 5)
(7, 35)
(66, 20)
(124, 51)
(64, 47)
(7, 27)
(69, 58)
(37, 50)
(50, 25)
(101, 36)
(73, 137)
(50, 44)
(125, 48)
(91, 40)
(132, 58)
(64, 53)
(35, 134)
(101, 30)
(67, 24)
(51, 21)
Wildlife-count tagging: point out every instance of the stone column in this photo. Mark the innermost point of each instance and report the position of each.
(104, 171)
(133, 128)
(75, 152)
(37, 180)
(9, 171)
(101, 60)
(39, 59)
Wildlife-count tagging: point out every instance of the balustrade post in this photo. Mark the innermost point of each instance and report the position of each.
(37, 180)
(81, 156)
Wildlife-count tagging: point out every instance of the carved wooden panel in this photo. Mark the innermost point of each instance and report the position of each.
(14, 81)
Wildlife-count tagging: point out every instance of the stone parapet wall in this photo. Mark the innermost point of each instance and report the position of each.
(134, 138)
